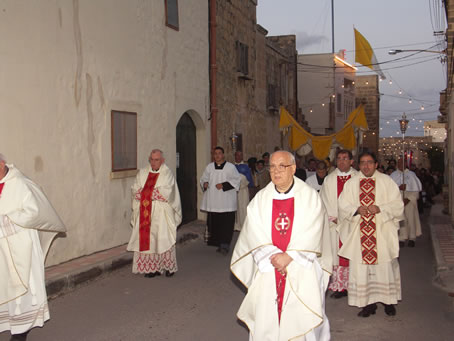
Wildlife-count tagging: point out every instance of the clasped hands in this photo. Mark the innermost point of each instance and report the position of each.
(280, 261)
(366, 210)
(205, 186)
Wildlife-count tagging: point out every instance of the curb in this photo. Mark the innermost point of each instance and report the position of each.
(444, 271)
(64, 283)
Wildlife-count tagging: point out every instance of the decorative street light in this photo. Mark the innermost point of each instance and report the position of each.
(233, 141)
(393, 52)
(403, 128)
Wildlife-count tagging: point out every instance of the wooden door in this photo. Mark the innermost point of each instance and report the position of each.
(187, 167)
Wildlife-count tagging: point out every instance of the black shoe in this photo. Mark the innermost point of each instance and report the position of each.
(219, 249)
(169, 274)
(401, 244)
(368, 310)
(411, 243)
(390, 310)
(152, 274)
(339, 294)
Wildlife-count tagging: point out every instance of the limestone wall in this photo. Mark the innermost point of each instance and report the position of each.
(66, 65)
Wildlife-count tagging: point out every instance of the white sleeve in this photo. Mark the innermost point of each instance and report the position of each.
(262, 257)
(303, 258)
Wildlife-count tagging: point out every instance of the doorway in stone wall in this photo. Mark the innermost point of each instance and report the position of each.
(187, 167)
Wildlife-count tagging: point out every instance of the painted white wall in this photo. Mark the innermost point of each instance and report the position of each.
(65, 66)
(315, 85)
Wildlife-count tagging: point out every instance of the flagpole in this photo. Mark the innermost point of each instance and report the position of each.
(332, 26)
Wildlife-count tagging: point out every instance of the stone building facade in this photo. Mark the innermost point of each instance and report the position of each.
(73, 69)
(326, 91)
(367, 93)
(447, 106)
(255, 74)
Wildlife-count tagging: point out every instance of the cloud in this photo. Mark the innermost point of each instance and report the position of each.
(305, 41)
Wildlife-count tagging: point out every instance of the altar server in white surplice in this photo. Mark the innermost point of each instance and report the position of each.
(156, 214)
(330, 192)
(276, 258)
(220, 182)
(410, 187)
(28, 223)
(372, 205)
(316, 180)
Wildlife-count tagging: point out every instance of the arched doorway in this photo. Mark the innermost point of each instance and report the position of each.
(187, 167)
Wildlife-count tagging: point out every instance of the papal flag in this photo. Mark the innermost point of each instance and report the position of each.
(365, 55)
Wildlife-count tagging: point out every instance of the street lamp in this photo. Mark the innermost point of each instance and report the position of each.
(403, 128)
(393, 52)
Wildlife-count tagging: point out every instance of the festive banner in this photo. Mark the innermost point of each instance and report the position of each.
(300, 139)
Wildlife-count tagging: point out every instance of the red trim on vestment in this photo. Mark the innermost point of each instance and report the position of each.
(1, 187)
(145, 211)
(281, 231)
(368, 228)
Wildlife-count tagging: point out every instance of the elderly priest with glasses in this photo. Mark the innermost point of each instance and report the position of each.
(278, 258)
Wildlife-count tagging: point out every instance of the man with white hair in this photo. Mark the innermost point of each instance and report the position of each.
(28, 223)
(156, 213)
(276, 258)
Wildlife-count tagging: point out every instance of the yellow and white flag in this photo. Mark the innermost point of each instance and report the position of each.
(365, 55)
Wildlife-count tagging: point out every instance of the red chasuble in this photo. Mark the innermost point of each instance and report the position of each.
(367, 226)
(341, 180)
(282, 223)
(145, 212)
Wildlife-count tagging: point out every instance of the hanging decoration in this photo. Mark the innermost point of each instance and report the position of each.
(303, 142)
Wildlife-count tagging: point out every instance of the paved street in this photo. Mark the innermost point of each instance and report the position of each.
(200, 301)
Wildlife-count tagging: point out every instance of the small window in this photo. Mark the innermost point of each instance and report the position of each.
(172, 14)
(242, 64)
(271, 97)
(124, 140)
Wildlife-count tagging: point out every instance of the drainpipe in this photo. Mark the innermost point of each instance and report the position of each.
(213, 68)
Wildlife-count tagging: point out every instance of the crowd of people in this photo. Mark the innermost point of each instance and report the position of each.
(304, 231)
(345, 221)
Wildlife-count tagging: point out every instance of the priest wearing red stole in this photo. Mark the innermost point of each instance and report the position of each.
(278, 258)
(28, 224)
(372, 205)
(156, 214)
(330, 192)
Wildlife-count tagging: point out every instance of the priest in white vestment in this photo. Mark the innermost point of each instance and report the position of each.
(279, 258)
(316, 180)
(220, 183)
(410, 187)
(28, 224)
(156, 214)
(330, 192)
(372, 205)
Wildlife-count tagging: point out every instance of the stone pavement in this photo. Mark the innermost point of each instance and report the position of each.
(67, 276)
(442, 235)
